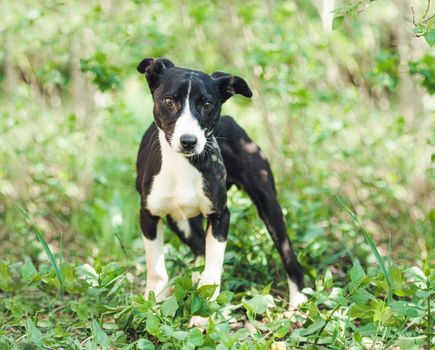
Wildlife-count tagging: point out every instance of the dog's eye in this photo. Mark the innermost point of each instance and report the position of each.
(207, 105)
(169, 101)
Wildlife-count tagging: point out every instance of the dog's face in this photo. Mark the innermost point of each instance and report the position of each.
(187, 103)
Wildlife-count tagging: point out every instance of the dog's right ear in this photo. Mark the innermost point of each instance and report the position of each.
(229, 85)
(154, 69)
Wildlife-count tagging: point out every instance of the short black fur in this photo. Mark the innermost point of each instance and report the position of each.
(229, 158)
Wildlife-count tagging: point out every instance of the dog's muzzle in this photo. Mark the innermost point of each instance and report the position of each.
(188, 143)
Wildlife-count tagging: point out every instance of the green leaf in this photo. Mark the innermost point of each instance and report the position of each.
(328, 282)
(225, 297)
(357, 337)
(411, 343)
(356, 273)
(419, 29)
(415, 275)
(69, 278)
(337, 22)
(196, 304)
(179, 292)
(179, 335)
(361, 296)
(5, 279)
(424, 294)
(206, 291)
(282, 331)
(361, 311)
(169, 331)
(145, 344)
(152, 298)
(182, 286)
(89, 273)
(430, 37)
(99, 335)
(406, 309)
(243, 333)
(28, 271)
(34, 333)
(169, 307)
(195, 337)
(184, 282)
(258, 304)
(313, 328)
(152, 323)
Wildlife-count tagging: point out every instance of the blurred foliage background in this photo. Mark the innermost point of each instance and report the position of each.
(345, 112)
(343, 106)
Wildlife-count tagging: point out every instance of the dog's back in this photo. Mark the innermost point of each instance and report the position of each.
(244, 160)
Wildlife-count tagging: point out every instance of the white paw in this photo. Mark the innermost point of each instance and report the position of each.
(296, 299)
(198, 321)
(156, 285)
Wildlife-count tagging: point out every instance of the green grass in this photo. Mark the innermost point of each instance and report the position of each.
(102, 306)
(47, 250)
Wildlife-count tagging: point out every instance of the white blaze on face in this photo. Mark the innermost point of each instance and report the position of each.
(188, 124)
(157, 277)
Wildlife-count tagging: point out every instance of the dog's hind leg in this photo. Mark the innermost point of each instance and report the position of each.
(271, 213)
(191, 232)
(249, 169)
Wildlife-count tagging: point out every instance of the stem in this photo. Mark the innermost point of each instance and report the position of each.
(427, 9)
(121, 244)
(334, 310)
(326, 323)
(413, 16)
(427, 19)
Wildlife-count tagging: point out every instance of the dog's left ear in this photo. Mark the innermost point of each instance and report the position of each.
(154, 69)
(230, 84)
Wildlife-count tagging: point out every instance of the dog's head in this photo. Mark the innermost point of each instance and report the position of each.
(187, 103)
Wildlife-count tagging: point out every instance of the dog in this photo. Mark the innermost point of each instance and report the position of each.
(188, 158)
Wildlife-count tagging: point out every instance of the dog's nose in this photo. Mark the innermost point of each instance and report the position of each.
(188, 141)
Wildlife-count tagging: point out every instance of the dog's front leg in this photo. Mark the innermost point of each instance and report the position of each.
(157, 277)
(215, 242)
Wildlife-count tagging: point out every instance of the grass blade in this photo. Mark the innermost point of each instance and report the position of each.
(47, 250)
(372, 245)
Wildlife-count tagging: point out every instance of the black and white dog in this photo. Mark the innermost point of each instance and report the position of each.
(188, 159)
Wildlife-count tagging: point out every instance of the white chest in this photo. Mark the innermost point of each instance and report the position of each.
(177, 190)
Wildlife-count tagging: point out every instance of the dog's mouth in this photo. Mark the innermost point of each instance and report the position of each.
(189, 153)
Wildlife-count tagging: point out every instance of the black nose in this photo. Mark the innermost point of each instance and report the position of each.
(188, 141)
